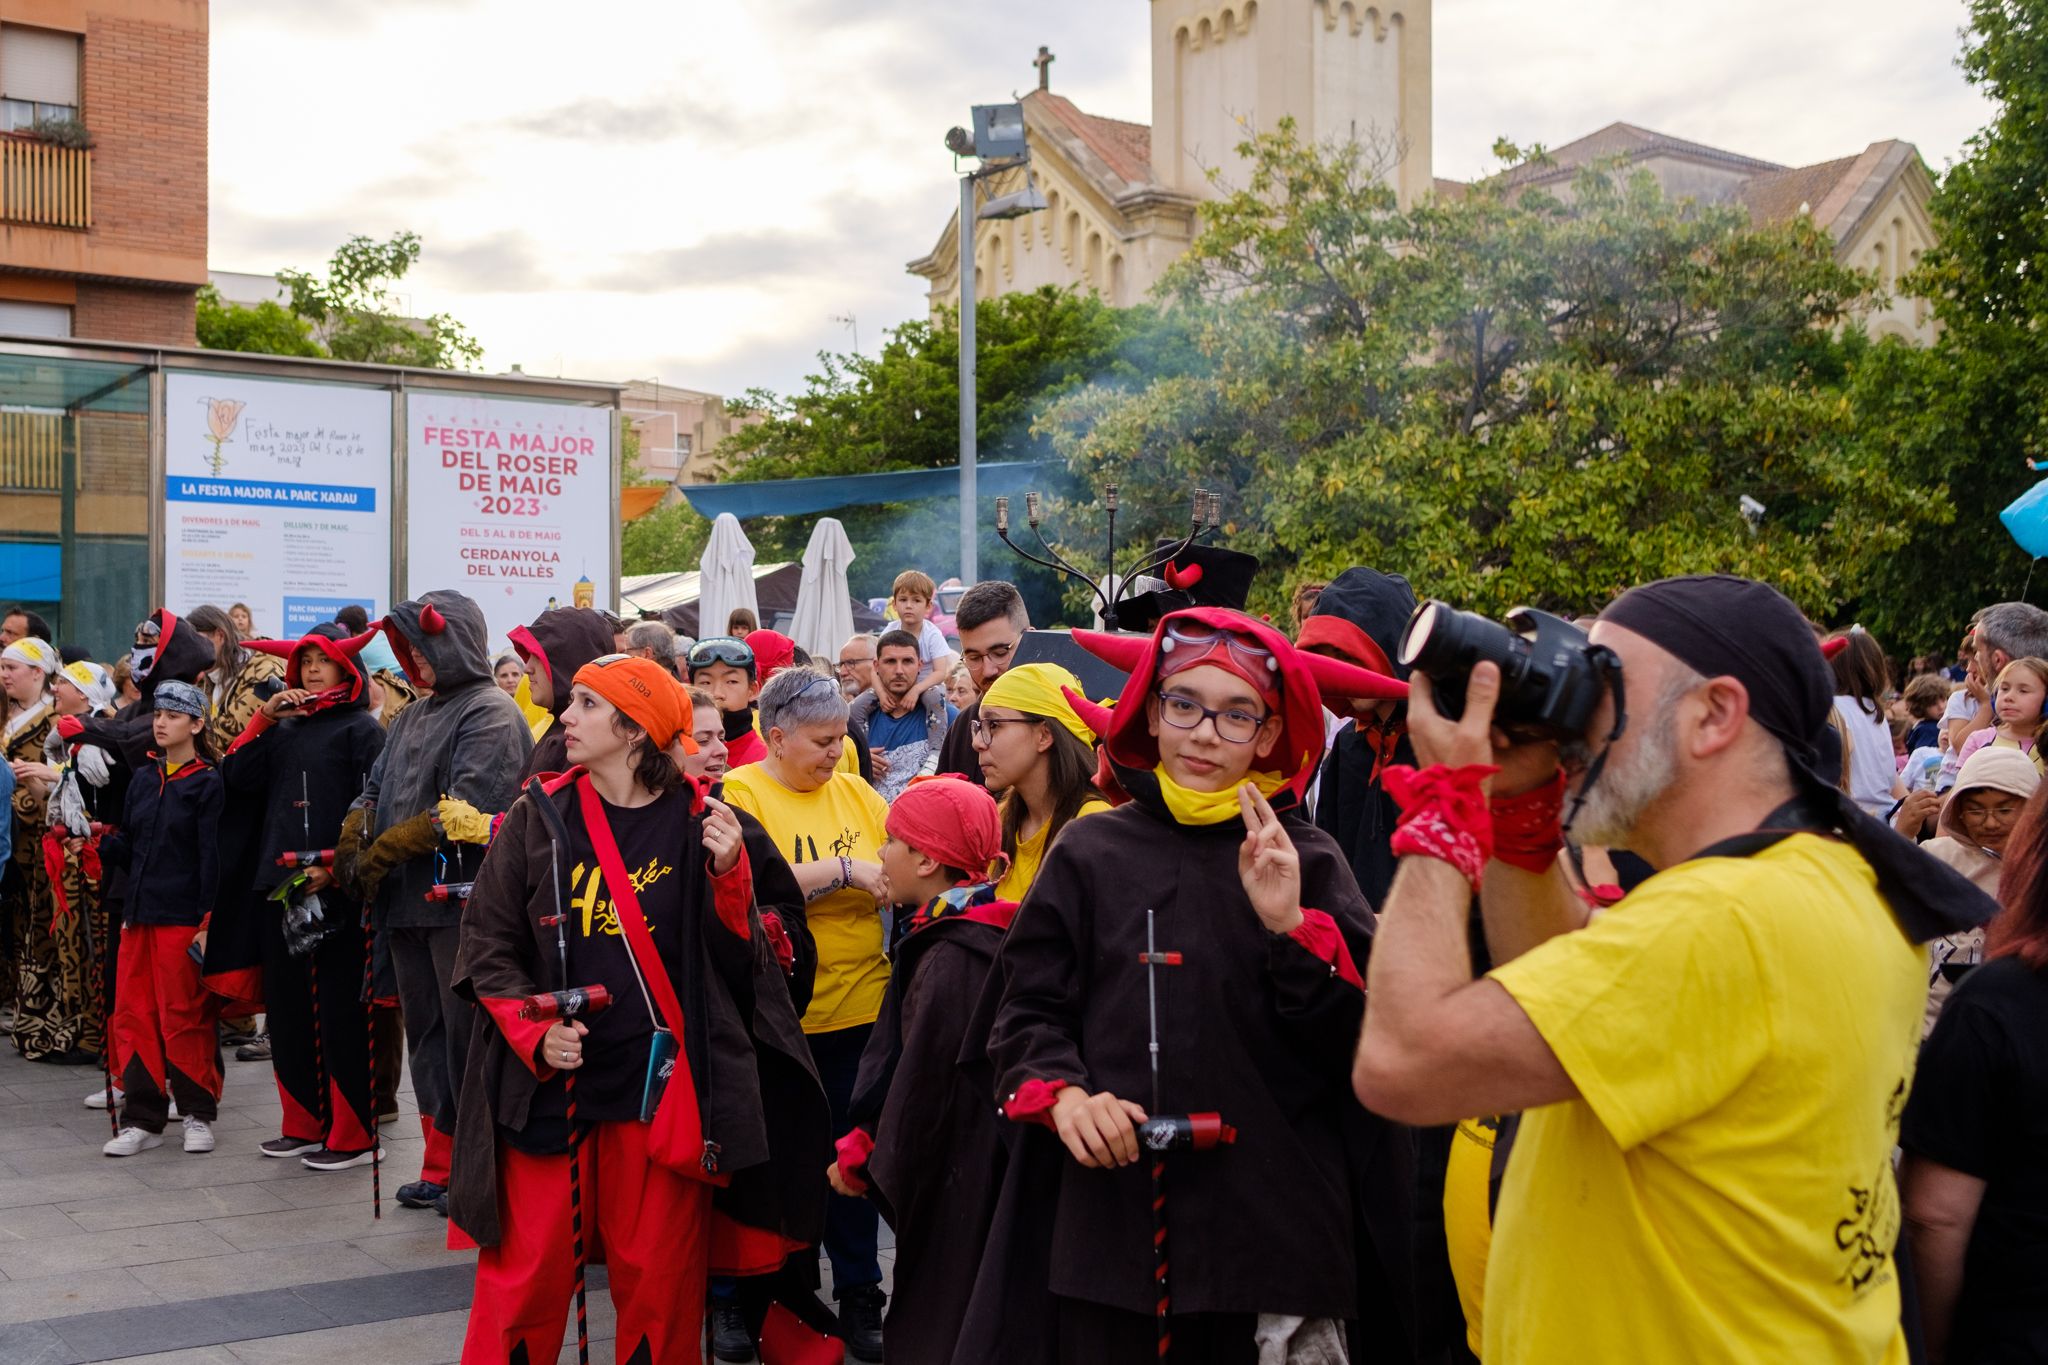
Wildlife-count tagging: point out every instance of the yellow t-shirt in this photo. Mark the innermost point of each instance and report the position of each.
(843, 818)
(1468, 1227)
(1030, 853)
(1742, 1033)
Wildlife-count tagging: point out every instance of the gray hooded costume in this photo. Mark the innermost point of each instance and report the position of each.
(466, 740)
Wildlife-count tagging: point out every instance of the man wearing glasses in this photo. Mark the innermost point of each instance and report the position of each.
(856, 667)
(991, 621)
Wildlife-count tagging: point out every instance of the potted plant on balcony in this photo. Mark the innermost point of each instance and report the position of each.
(61, 132)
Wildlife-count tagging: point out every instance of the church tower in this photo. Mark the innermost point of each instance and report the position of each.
(1341, 69)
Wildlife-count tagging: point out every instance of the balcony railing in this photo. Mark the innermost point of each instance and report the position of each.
(31, 452)
(44, 184)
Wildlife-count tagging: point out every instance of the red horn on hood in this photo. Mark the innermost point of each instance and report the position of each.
(1181, 579)
(1335, 678)
(1093, 714)
(432, 621)
(281, 649)
(355, 644)
(1124, 652)
(1830, 648)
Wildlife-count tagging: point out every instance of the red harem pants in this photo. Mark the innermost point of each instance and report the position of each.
(164, 1039)
(652, 1223)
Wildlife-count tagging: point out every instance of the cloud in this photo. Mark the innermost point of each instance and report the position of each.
(599, 118)
(508, 262)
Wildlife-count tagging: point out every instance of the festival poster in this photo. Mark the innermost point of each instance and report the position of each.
(277, 495)
(509, 502)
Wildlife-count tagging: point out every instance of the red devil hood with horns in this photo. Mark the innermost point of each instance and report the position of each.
(447, 631)
(1304, 680)
(329, 640)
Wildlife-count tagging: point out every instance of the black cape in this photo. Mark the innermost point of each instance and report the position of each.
(1252, 1025)
(922, 1093)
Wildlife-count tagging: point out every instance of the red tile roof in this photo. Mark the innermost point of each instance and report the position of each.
(1125, 147)
(1782, 195)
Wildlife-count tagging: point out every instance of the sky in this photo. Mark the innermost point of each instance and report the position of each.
(711, 193)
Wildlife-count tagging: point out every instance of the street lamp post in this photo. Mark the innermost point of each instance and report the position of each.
(998, 141)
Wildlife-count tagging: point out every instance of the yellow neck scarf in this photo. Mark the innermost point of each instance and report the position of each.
(1211, 808)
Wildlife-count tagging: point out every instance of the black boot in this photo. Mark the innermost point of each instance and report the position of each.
(729, 1338)
(860, 1317)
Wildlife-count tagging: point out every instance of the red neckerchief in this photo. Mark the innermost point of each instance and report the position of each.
(1383, 737)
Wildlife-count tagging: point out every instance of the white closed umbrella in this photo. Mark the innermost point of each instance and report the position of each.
(824, 610)
(728, 578)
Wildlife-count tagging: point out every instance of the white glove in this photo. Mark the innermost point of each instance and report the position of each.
(94, 765)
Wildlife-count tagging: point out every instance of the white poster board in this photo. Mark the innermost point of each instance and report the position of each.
(509, 502)
(277, 495)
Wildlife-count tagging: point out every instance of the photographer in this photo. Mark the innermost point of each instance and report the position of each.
(1718, 1061)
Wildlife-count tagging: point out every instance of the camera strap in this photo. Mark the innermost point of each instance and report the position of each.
(1609, 664)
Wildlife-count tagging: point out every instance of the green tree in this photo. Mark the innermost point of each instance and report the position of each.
(1974, 409)
(666, 540)
(1510, 397)
(266, 328)
(899, 409)
(357, 316)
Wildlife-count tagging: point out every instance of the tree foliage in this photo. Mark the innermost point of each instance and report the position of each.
(1971, 411)
(1509, 396)
(899, 409)
(267, 328)
(352, 313)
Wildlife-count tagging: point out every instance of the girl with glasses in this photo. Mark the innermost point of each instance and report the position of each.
(1040, 754)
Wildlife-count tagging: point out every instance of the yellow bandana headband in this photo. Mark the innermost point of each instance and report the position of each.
(1034, 689)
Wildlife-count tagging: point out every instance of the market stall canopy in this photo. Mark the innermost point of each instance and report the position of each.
(794, 497)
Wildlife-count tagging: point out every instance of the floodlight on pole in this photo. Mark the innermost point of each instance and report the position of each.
(998, 140)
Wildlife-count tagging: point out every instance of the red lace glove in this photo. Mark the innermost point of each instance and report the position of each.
(1444, 815)
(1528, 830)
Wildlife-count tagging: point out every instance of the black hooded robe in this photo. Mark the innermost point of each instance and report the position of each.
(565, 639)
(323, 757)
(939, 1145)
(1253, 1026)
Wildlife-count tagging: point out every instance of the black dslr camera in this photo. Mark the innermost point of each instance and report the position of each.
(1551, 676)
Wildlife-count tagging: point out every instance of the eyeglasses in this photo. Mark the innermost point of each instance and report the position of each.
(998, 654)
(1185, 713)
(721, 649)
(1202, 636)
(848, 665)
(984, 730)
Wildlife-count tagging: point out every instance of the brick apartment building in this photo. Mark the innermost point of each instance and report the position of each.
(105, 241)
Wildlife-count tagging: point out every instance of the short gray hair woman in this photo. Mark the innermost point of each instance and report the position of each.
(829, 825)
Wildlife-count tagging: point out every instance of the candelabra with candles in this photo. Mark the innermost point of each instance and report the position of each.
(1206, 515)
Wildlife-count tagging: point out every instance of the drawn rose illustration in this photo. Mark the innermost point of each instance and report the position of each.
(221, 416)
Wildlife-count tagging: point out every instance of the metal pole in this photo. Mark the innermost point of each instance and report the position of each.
(970, 570)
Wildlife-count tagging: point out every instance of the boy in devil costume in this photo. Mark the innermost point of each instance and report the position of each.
(927, 1147)
(304, 755)
(451, 760)
(1209, 887)
(558, 643)
(628, 875)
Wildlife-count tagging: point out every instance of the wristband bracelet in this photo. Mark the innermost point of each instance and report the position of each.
(845, 870)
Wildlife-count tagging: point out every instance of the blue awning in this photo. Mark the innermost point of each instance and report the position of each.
(793, 497)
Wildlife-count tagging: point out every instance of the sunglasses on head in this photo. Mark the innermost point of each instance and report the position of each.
(721, 649)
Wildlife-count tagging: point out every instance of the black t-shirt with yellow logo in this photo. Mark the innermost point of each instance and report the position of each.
(614, 1071)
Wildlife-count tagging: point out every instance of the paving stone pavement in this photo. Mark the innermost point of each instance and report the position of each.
(226, 1258)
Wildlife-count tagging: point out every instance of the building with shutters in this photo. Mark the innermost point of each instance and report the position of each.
(102, 168)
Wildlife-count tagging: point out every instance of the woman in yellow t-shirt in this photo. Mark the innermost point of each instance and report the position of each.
(1040, 754)
(828, 824)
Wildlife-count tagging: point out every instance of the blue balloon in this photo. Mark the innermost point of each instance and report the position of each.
(2027, 519)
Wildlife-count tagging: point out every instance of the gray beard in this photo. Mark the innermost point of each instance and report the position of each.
(1634, 777)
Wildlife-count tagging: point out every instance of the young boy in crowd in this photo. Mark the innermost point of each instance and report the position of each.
(912, 595)
(726, 668)
(163, 1038)
(927, 1147)
(1211, 897)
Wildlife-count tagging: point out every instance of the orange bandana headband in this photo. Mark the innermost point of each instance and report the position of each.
(647, 694)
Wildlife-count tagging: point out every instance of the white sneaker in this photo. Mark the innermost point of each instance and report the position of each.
(198, 1136)
(98, 1098)
(174, 1110)
(129, 1141)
